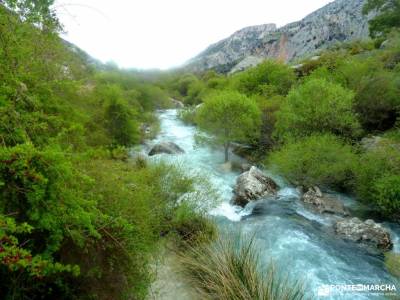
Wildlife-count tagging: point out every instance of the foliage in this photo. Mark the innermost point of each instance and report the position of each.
(266, 79)
(188, 115)
(141, 203)
(192, 227)
(386, 194)
(378, 170)
(269, 108)
(120, 119)
(230, 269)
(377, 102)
(316, 160)
(45, 199)
(230, 116)
(317, 106)
(392, 262)
(388, 16)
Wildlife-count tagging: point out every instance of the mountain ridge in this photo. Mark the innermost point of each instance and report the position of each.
(338, 21)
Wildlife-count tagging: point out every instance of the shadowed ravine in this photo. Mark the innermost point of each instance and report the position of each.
(301, 242)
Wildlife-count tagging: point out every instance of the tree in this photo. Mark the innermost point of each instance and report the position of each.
(120, 118)
(377, 101)
(388, 16)
(266, 79)
(321, 159)
(230, 116)
(317, 106)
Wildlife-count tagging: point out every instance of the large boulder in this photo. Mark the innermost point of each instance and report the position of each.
(367, 232)
(371, 143)
(323, 203)
(165, 147)
(252, 185)
(177, 103)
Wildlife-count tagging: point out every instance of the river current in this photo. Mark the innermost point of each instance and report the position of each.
(300, 242)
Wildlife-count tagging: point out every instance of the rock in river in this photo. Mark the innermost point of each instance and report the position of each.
(177, 103)
(252, 185)
(367, 232)
(323, 203)
(166, 147)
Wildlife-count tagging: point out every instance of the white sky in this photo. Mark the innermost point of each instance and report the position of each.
(166, 33)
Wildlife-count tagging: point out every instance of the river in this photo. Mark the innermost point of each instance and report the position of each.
(300, 242)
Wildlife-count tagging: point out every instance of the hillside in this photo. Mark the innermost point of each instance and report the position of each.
(339, 21)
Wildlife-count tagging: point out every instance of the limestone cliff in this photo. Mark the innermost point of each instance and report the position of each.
(339, 21)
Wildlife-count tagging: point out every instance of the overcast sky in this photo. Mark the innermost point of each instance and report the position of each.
(166, 33)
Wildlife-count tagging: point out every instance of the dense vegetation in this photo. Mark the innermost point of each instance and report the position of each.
(231, 269)
(331, 121)
(78, 218)
(81, 219)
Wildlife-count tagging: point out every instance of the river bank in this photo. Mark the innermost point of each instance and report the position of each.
(296, 238)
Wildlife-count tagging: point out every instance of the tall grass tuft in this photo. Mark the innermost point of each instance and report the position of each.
(230, 269)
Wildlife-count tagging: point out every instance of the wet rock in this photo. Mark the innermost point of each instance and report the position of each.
(166, 147)
(367, 232)
(252, 185)
(323, 203)
(245, 167)
(374, 143)
(241, 149)
(177, 103)
(371, 143)
(145, 128)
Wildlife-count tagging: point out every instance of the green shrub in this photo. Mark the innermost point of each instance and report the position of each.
(377, 178)
(191, 226)
(316, 160)
(230, 116)
(317, 106)
(386, 194)
(120, 118)
(188, 115)
(266, 79)
(377, 102)
(392, 263)
(269, 108)
(230, 269)
(47, 206)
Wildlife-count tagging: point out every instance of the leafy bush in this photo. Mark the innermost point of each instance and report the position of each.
(316, 160)
(377, 178)
(43, 196)
(377, 102)
(386, 194)
(188, 115)
(230, 116)
(387, 18)
(392, 262)
(317, 106)
(266, 79)
(230, 269)
(191, 226)
(269, 108)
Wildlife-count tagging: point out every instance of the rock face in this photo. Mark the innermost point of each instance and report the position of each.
(166, 147)
(367, 232)
(324, 203)
(177, 103)
(339, 21)
(252, 185)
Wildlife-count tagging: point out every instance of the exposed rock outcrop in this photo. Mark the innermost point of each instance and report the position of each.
(371, 143)
(252, 185)
(177, 103)
(323, 203)
(367, 232)
(339, 21)
(166, 147)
